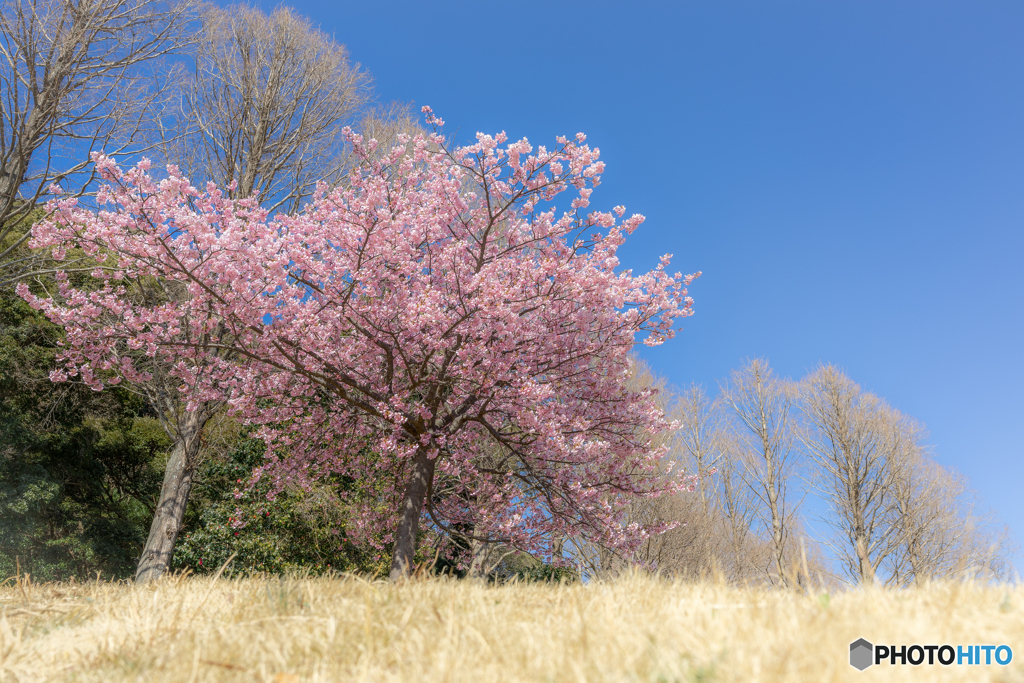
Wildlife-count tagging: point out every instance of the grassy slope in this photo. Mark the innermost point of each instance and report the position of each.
(341, 629)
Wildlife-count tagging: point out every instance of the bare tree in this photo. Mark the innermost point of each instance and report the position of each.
(269, 98)
(738, 509)
(76, 76)
(700, 439)
(854, 439)
(385, 123)
(922, 494)
(761, 403)
(81, 76)
(714, 533)
(941, 534)
(897, 516)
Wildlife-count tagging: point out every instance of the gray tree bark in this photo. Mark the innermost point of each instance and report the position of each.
(170, 509)
(481, 554)
(409, 522)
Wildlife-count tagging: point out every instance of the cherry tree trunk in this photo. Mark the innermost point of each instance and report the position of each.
(170, 510)
(481, 555)
(409, 519)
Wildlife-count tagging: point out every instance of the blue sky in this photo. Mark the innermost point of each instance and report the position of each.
(848, 176)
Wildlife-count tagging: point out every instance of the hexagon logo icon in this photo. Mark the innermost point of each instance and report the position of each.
(861, 654)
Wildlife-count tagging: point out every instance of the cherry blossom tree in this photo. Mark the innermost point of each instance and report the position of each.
(435, 326)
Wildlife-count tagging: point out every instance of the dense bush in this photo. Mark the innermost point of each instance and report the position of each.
(298, 531)
(78, 469)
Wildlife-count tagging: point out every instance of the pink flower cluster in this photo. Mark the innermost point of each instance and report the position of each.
(437, 300)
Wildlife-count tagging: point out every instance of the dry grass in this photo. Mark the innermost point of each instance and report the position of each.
(349, 629)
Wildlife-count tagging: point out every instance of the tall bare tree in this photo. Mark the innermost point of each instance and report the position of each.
(266, 106)
(738, 509)
(855, 440)
(76, 76)
(81, 76)
(384, 123)
(761, 403)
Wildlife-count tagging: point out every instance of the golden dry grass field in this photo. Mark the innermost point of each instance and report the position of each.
(350, 629)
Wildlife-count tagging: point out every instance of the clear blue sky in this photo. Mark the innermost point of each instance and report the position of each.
(848, 176)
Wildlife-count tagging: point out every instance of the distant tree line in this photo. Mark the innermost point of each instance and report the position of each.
(887, 512)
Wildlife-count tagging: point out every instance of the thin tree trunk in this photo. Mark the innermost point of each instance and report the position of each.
(170, 510)
(867, 570)
(409, 522)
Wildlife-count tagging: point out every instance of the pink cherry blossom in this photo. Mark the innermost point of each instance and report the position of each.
(436, 327)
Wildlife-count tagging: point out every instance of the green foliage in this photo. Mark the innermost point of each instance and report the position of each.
(298, 531)
(77, 482)
(523, 567)
(547, 573)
